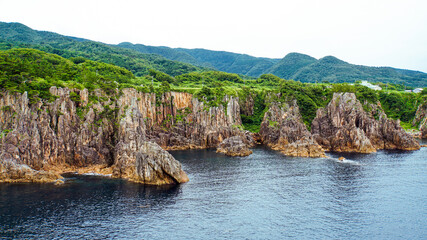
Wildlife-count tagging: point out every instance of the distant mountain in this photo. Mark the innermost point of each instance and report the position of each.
(334, 70)
(220, 60)
(288, 66)
(14, 35)
(139, 58)
(295, 66)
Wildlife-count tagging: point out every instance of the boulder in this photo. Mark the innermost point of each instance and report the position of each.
(234, 146)
(151, 165)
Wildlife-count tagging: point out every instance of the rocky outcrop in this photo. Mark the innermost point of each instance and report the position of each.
(247, 105)
(151, 165)
(11, 171)
(344, 126)
(77, 130)
(282, 129)
(420, 119)
(234, 146)
(184, 122)
(116, 132)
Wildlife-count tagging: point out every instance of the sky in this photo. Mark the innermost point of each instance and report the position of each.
(366, 32)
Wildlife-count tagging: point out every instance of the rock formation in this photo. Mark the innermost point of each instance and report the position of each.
(77, 130)
(184, 122)
(116, 132)
(344, 126)
(150, 165)
(234, 146)
(282, 129)
(420, 119)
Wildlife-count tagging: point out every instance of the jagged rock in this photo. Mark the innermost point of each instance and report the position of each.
(110, 130)
(282, 129)
(184, 122)
(11, 171)
(420, 119)
(234, 146)
(71, 134)
(344, 126)
(247, 106)
(151, 165)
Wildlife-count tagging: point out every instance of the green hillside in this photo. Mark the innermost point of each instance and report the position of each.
(35, 72)
(140, 58)
(220, 60)
(16, 35)
(295, 66)
(290, 65)
(333, 70)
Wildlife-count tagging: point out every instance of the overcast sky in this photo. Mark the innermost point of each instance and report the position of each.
(368, 32)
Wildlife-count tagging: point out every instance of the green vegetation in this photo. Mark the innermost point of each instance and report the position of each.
(50, 59)
(35, 72)
(140, 58)
(15, 35)
(295, 66)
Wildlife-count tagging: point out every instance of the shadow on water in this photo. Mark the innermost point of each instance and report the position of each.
(78, 200)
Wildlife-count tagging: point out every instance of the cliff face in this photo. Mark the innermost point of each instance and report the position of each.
(421, 120)
(176, 120)
(283, 129)
(117, 133)
(344, 126)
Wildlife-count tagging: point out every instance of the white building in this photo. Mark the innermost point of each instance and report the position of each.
(371, 86)
(417, 90)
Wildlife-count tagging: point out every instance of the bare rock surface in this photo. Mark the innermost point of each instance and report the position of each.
(344, 126)
(234, 146)
(41, 139)
(420, 119)
(151, 165)
(115, 133)
(282, 129)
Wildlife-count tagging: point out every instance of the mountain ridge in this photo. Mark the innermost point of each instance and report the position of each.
(139, 58)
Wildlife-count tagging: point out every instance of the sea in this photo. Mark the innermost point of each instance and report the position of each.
(266, 195)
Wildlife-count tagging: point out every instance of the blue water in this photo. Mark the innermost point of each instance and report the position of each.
(263, 196)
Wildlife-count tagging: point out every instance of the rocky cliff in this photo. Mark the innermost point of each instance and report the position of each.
(420, 119)
(283, 129)
(344, 126)
(184, 122)
(116, 133)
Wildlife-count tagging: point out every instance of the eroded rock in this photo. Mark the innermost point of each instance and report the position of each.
(151, 165)
(344, 126)
(420, 119)
(282, 129)
(234, 146)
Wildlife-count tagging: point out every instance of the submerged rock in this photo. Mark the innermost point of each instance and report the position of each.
(344, 126)
(282, 129)
(234, 146)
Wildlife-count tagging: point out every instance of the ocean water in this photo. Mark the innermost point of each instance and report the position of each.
(264, 196)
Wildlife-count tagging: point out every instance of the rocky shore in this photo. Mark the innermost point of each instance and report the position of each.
(126, 133)
(282, 129)
(344, 126)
